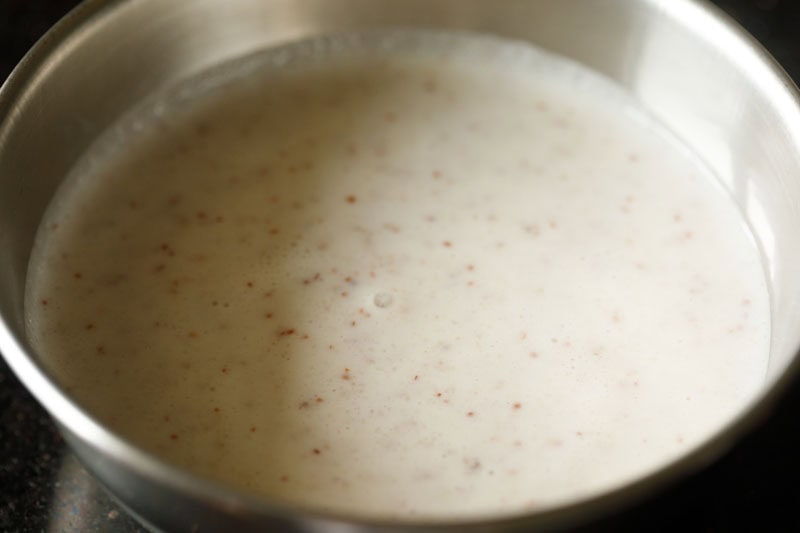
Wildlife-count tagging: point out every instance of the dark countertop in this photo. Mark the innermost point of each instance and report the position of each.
(756, 487)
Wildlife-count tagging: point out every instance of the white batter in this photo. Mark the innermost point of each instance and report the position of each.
(404, 275)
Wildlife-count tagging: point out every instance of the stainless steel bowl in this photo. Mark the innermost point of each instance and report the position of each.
(686, 62)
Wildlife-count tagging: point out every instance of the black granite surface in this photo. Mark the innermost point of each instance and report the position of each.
(756, 487)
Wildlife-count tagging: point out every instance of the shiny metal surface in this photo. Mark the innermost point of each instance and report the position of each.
(700, 76)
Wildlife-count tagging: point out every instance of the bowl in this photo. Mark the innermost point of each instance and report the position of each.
(685, 62)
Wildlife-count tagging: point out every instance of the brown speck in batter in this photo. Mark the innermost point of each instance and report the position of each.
(392, 228)
(316, 277)
(473, 464)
